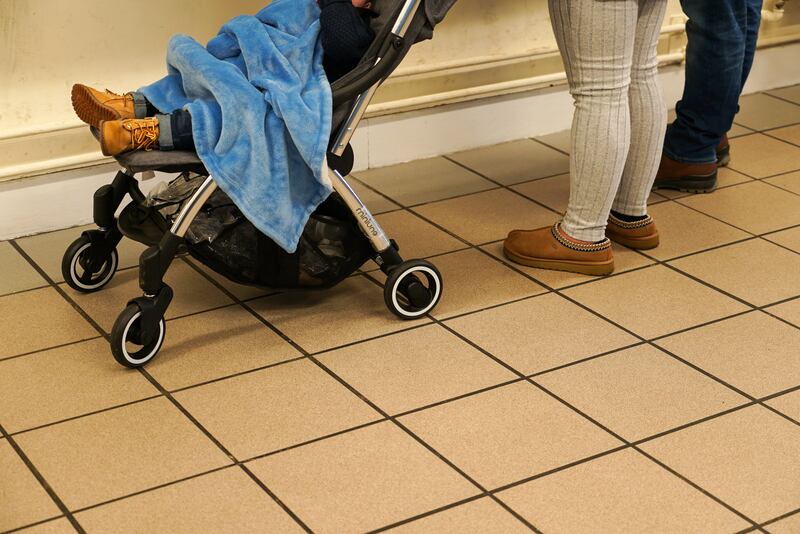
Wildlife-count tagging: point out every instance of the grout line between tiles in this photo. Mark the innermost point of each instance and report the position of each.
(163, 392)
(583, 414)
(32, 525)
(42, 481)
(385, 415)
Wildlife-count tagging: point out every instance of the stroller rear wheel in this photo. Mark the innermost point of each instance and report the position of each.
(86, 267)
(413, 289)
(130, 344)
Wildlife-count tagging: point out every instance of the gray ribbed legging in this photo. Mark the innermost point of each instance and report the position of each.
(609, 50)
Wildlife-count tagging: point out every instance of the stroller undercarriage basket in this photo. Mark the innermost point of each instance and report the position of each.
(330, 249)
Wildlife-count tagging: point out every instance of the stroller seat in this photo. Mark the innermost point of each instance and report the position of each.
(171, 162)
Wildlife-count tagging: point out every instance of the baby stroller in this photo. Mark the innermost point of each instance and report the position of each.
(341, 235)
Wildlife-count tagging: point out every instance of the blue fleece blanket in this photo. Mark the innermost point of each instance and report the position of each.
(261, 113)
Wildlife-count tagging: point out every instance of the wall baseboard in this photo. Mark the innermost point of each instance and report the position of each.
(64, 199)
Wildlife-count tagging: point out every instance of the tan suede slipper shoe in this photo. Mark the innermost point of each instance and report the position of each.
(551, 248)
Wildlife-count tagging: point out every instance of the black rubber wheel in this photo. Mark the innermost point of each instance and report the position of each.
(126, 339)
(75, 271)
(413, 289)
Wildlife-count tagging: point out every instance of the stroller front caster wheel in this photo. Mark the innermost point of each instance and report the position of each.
(130, 344)
(83, 270)
(413, 289)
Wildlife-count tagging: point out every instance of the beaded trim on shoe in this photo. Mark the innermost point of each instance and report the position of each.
(630, 225)
(580, 247)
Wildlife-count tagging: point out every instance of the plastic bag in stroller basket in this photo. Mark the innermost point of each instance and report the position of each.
(331, 248)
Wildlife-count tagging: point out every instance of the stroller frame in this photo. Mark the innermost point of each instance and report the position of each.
(412, 289)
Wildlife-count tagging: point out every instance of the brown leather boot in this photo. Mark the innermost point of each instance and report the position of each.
(641, 235)
(688, 177)
(93, 106)
(551, 248)
(724, 152)
(117, 137)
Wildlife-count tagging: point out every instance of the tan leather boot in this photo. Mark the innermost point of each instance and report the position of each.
(641, 235)
(93, 106)
(117, 137)
(551, 248)
(691, 178)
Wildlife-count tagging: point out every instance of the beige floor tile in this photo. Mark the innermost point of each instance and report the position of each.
(640, 392)
(763, 112)
(790, 525)
(514, 162)
(791, 93)
(757, 271)
(416, 238)
(193, 293)
(625, 259)
(789, 404)
(223, 501)
(473, 281)
(488, 216)
(760, 156)
(654, 302)
(112, 454)
(483, 516)
(423, 181)
(508, 434)
(216, 344)
(37, 320)
(18, 275)
(361, 480)
(559, 140)
(747, 459)
(621, 492)
(790, 181)
(352, 311)
(376, 203)
(47, 250)
(240, 291)
(789, 311)
(737, 130)
(412, 369)
(24, 499)
(787, 238)
(66, 382)
(790, 134)
(275, 408)
(548, 331)
(754, 352)
(685, 231)
(754, 207)
(59, 526)
(553, 192)
(727, 177)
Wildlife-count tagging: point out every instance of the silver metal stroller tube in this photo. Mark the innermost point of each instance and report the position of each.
(348, 129)
(406, 16)
(377, 237)
(193, 207)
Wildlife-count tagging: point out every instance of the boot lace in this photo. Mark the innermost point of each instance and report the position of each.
(144, 134)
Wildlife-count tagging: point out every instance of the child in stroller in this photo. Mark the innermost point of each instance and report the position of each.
(341, 235)
(130, 122)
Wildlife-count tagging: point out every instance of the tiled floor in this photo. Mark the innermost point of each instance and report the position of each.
(663, 398)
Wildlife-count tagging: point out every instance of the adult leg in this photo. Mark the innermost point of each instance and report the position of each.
(648, 113)
(597, 40)
(752, 26)
(715, 57)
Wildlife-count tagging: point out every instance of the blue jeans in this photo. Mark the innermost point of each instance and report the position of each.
(722, 42)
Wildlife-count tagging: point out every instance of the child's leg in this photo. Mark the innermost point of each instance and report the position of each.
(175, 131)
